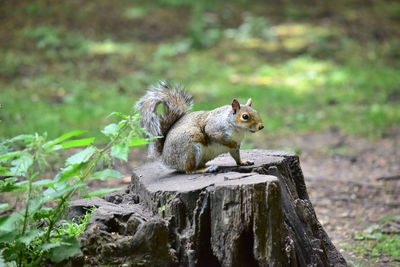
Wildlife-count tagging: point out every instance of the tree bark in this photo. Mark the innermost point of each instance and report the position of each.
(257, 215)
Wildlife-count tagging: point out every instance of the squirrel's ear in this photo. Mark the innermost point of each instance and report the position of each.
(249, 102)
(235, 105)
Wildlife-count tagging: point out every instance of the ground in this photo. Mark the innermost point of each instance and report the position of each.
(325, 78)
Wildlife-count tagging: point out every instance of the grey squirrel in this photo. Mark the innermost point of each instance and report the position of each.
(189, 140)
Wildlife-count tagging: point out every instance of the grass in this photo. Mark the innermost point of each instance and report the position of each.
(376, 242)
(302, 76)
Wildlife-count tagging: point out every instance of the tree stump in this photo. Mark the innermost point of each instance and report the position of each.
(257, 215)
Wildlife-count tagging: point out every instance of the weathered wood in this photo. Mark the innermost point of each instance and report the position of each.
(256, 215)
(120, 232)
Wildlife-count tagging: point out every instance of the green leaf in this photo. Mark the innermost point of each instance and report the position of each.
(23, 185)
(51, 193)
(45, 182)
(120, 151)
(8, 236)
(122, 123)
(82, 156)
(138, 142)
(104, 174)
(372, 228)
(75, 143)
(4, 206)
(63, 138)
(35, 204)
(23, 137)
(4, 171)
(102, 192)
(43, 213)
(111, 129)
(11, 222)
(69, 171)
(8, 184)
(118, 114)
(29, 236)
(67, 248)
(47, 246)
(10, 155)
(21, 164)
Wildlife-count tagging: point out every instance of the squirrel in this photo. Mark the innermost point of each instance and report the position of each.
(187, 141)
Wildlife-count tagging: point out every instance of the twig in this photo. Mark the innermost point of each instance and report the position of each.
(388, 178)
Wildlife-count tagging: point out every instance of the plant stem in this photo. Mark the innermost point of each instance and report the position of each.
(61, 205)
(27, 206)
(55, 218)
(26, 215)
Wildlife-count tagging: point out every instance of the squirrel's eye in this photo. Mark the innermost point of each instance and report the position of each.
(245, 117)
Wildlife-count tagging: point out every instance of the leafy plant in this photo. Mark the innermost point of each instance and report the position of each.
(36, 233)
(76, 227)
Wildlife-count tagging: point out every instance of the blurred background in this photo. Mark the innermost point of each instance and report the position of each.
(324, 75)
(309, 65)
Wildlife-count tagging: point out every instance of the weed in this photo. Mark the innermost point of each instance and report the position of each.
(375, 242)
(36, 233)
(76, 227)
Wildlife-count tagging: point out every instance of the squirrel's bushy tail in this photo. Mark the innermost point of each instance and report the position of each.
(176, 103)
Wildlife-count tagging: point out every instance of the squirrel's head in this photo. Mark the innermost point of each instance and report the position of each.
(246, 117)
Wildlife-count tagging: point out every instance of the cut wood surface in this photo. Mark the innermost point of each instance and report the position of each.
(257, 215)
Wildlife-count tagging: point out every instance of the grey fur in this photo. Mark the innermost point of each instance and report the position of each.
(157, 125)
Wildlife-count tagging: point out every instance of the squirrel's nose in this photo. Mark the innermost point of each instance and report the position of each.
(261, 126)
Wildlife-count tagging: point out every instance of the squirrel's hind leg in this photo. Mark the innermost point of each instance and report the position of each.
(194, 163)
(212, 168)
(191, 159)
(209, 169)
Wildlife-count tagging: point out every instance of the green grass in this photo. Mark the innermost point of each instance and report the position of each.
(374, 242)
(302, 76)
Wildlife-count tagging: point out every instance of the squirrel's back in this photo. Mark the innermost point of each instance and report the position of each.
(176, 103)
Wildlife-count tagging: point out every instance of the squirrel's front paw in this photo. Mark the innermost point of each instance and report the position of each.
(246, 162)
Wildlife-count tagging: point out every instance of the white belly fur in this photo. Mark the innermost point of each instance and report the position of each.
(210, 152)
